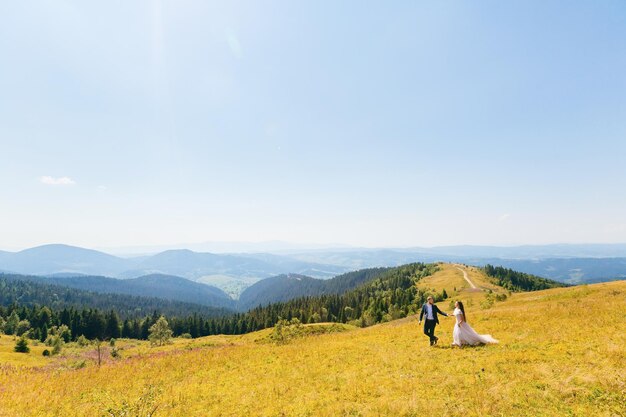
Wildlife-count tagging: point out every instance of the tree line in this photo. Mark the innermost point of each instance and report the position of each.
(519, 281)
(391, 295)
(287, 287)
(23, 291)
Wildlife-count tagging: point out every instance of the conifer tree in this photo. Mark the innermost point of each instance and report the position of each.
(22, 345)
(43, 335)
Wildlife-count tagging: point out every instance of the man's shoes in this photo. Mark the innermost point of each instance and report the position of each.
(432, 342)
(436, 339)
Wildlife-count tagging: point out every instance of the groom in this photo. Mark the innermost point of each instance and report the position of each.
(430, 310)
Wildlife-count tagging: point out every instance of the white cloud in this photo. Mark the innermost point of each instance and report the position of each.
(504, 217)
(234, 45)
(48, 180)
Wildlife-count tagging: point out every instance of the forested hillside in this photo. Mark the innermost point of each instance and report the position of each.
(279, 288)
(519, 281)
(290, 286)
(390, 295)
(24, 291)
(383, 295)
(154, 285)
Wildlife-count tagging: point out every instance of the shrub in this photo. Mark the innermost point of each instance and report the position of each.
(488, 302)
(57, 345)
(115, 352)
(286, 330)
(315, 318)
(369, 318)
(501, 297)
(185, 336)
(22, 345)
(45, 352)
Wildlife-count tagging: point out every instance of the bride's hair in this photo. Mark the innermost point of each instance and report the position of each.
(462, 310)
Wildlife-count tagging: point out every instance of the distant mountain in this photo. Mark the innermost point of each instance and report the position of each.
(64, 260)
(194, 265)
(234, 272)
(568, 270)
(289, 286)
(366, 258)
(49, 259)
(155, 285)
(65, 275)
(617, 250)
(31, 291)
(275, 247)
(288, 264)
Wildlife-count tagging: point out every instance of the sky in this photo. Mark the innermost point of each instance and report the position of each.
(377, 124)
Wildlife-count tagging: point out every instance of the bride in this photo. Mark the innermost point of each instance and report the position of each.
(463, 333)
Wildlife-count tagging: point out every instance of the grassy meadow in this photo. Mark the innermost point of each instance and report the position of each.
(562, 352)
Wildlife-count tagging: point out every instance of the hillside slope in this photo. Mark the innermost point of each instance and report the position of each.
(549, 363)
(279, 288)
(289, 286)
(155, 285)
(28, 291)
(58, 259)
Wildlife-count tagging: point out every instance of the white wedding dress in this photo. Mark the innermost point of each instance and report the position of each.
(463, 333)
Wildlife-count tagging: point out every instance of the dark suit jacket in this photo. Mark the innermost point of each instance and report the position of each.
(436, 310)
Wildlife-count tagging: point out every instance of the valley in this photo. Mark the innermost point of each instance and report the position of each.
(233, 273)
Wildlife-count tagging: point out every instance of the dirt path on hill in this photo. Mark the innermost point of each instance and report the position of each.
(466, 277)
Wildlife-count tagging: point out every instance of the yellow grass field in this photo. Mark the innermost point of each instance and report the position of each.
(562, 352)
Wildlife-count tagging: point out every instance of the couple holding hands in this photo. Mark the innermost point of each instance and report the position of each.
(463, 334)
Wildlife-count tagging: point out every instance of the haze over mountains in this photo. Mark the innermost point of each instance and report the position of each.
(571, 263)
(233, 273)
(229, 271)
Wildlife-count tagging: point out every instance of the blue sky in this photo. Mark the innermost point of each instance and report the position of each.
(362, 123)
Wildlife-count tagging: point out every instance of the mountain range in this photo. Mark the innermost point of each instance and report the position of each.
(55, 260)
(238, 276)
(566, 263)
